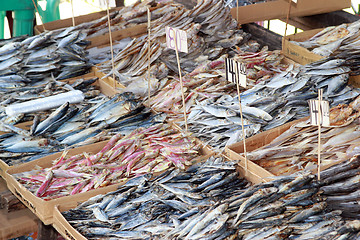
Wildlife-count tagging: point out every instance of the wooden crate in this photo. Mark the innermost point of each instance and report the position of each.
(279, 9)
(235, 150)
(70, 233)
(44, 209)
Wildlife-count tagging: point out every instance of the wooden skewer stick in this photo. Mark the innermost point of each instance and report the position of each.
(319, 129)
(237, 10)
(37, 10)
(111, 45)
(181, 83)
(149, 53)
(242, 119)
(287, 22)
(72, 12)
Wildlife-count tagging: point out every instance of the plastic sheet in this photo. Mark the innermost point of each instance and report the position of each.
(41, 104)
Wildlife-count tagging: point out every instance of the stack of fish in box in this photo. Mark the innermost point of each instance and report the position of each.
(269, 104)
(183, 205)
(297, 148)
(25, 60)
(69, 126)
(211, 32)
(209, 201)
(144, 150)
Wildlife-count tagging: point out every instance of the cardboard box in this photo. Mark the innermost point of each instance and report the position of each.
(252, 143)
(41, 208)
(260, 140)
(297, 53)
(207, 148)
(105, 87)
(107, 83)
(254, 173)
(279, 9)
(44, 209)
(64, 227)
(303, 56)
(70, 233)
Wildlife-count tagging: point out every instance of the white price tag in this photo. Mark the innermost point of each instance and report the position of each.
(180, 36)
(235, 72)
(103, 3)
(324, 113)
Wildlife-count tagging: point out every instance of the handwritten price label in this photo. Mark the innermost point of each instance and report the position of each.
(235, 72)
(104, 3)
(324, 113)
(174, 35)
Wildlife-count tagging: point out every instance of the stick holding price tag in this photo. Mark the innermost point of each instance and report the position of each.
(72, 13)
(111, 44)
(149, 51)
(177, 39)
(319, 116)
(236, 73)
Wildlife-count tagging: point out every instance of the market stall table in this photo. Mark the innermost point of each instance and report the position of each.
(17, 223)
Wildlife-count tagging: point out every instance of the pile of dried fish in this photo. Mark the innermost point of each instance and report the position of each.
(297, 148)
(206, 89)
(271, 103)
(145, 150)
(285, 96)
(75, 125)
(339, 187)
(209, 201)
(206, 81)
(301, 83)
(218, 126)
(24, 61)
(288, 208)
(211, 32)
(260, 65)
(334, 40)
(175, 205)
(97, 55)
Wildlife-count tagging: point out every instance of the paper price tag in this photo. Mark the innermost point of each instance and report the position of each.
(235, 72)
(324, 113)
(103, 3)
(180, 36)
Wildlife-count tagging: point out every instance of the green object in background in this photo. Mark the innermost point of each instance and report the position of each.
(52, 12)
(24, 15)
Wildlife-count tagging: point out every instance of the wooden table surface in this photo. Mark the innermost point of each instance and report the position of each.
(17, 223)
